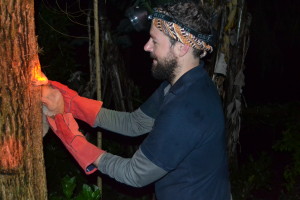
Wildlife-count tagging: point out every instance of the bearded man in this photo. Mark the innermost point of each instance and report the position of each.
(184, 153)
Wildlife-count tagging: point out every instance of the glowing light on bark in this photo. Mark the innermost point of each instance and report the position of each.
(11, 153)
(38, 77)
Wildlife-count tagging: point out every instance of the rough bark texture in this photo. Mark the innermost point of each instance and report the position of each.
(227, 66)
(22, 172)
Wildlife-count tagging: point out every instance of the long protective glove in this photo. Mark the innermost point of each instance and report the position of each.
(85, 153)
(82, 108)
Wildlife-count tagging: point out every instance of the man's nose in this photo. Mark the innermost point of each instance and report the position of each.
(148, 46)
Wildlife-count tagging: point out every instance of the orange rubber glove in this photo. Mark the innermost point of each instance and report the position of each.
(85, 153)
(82, 108)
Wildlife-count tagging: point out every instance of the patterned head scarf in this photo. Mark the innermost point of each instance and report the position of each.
(180, 32)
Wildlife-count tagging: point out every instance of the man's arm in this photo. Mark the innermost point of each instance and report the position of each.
(130, 124)
(140, 121)
(137, 171)
(90, 111)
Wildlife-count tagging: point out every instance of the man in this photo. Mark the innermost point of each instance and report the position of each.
(185, 151)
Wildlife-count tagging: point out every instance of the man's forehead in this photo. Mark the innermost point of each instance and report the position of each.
(155, 32)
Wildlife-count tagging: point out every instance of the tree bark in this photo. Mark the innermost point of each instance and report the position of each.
(22, 172)
(227, 67)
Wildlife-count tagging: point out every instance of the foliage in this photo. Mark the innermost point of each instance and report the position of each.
(58, 51)
(251, 176)
(60, 163)
(89, 193)
(290, 142)
(274, 129)
(68, 185)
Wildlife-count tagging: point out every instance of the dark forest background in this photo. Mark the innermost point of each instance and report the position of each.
(268, 164)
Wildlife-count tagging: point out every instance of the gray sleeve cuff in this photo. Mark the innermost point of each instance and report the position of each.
(137, 171)
(130, 124)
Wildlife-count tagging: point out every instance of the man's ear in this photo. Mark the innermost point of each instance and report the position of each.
(182, 49)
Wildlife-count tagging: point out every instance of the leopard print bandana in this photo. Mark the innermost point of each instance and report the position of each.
(181, 33)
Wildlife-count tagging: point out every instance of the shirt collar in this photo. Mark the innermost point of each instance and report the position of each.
(187, 78)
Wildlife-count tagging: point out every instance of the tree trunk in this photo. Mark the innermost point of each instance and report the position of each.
(227, 66)
(22, 172)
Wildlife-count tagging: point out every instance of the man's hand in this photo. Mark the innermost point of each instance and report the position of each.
(53, 101)
(81, 108)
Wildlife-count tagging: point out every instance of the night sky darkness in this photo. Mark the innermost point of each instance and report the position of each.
(272, 62)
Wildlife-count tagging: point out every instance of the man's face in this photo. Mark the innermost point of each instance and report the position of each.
(161, 51)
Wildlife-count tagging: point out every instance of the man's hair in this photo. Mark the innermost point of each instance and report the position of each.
(195, 16)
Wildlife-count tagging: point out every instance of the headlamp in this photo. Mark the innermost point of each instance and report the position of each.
(138, 17)
(141, 21)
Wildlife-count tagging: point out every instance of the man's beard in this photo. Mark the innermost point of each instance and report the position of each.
(165, 68)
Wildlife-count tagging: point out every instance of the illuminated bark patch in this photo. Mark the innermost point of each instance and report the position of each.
(37, 76)
(11, 153)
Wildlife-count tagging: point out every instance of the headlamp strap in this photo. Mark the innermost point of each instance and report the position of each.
(206, 38)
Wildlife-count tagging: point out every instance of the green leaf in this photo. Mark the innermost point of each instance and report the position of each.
(89, 193)
(68, 186)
